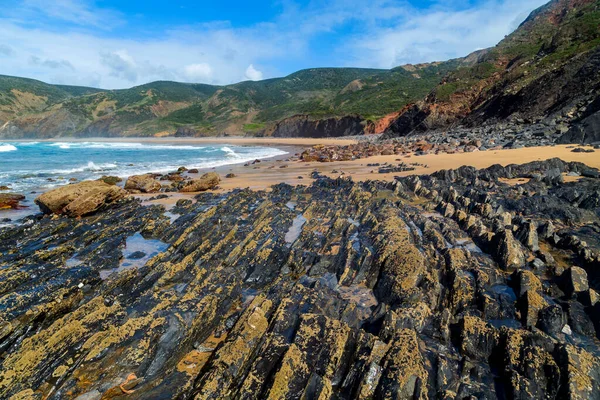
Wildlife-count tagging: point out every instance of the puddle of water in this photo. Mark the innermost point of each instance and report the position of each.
(503, 289)
(73, 262)
(355, 242)
(294, 232)
(468, 244)
(136, 253)
(359, 294)
(172, 217)
(353, 222)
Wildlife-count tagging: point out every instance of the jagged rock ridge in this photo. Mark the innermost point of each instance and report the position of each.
(451, 285)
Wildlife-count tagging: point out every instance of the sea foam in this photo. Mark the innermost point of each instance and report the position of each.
(7, 147)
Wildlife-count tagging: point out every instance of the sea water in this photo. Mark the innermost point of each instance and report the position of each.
(30, 168)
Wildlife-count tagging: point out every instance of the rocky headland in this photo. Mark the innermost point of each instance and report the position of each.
(463, 283)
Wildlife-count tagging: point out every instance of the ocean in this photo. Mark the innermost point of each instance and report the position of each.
(28, 167)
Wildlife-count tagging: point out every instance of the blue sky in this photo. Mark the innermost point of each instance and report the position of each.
(116, 43)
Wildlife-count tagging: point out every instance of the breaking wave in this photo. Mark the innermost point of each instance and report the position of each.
(7, 147)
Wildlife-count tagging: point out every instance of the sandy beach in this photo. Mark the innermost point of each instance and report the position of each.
(277, 170)
(288, 169)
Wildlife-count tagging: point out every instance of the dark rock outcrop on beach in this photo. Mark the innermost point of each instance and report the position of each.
(587, 128)
(449, 141)
(304, 126)
(10, 200)
(450, 285)
(184, 131)
(80, 199)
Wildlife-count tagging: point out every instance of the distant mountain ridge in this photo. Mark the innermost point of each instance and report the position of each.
(548, 68)
(30, 108)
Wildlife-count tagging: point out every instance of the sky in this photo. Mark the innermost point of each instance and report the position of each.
(117, 44)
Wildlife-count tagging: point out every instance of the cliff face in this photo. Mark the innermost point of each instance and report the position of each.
(303, 126)
(548, 68)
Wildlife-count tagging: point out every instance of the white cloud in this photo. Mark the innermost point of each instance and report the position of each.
(78, 12)
(253, 74)
(440, 34)
(383, 34)
(121, 65)
(198, 72)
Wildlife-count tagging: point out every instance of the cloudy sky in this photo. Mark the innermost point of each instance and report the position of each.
(117, 44)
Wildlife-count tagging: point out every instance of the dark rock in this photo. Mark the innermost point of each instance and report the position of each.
(575, 280)
(303, 126)
(184, 131)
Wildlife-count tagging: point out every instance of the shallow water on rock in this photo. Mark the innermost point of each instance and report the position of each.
(294, 232)
(137, 252)
(468, 244)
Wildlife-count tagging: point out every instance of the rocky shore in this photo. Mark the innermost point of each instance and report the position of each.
(459, 140)
(463, 283)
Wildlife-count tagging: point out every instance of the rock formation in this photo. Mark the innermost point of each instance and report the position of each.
(10, 200)
(304, 126)
(142, 183)
(79, 199)
(207, 181)
(427, 287)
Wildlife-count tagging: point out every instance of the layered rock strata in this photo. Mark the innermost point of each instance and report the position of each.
(452, 285)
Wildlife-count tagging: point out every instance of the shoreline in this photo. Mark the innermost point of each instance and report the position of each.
(270, 171)
(287, 168)
(263, 175)
(236, 140)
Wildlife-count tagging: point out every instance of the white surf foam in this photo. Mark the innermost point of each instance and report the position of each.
(125, 146)
(4, 148)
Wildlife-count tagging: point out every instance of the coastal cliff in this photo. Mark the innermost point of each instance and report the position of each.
(546, 70)
(304, 126)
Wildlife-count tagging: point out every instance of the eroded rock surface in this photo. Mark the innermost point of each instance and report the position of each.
(207, 181)
(142, 183)
(79, 199)
(360, 290)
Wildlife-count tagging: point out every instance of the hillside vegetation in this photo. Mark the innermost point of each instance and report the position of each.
(550, 63)
(31, 108)
(548, 68)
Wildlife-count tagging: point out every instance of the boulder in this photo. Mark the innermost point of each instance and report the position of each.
(79, 199)
(207, 181)
(111, 180)
(575, 280)
(144, 183)
(10, 200)
(509, 252)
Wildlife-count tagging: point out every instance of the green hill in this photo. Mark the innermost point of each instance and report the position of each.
(34, 108)
(548, 68)
(532, 72)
